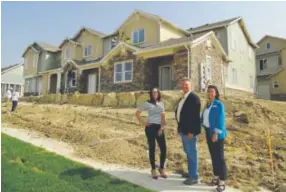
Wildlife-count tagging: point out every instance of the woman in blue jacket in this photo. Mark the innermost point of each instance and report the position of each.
(213, 120)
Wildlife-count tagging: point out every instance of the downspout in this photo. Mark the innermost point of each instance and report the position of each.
(189, 50)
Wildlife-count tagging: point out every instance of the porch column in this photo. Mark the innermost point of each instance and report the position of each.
(99, 74)
(49, 82)
(59, 75)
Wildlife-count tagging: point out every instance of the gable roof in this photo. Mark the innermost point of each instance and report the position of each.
(224, 23)
(274, 74)
(150, 16)
(42, 45)
(92, 31)
(209, 26)
(119, 45)
(10, 67)
(68, 40)
(270, 36)
(193, 41)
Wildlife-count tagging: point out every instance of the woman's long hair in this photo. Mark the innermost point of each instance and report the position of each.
(151, 99)
(217, 95)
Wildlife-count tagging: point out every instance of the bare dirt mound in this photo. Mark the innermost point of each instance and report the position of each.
(113, 136)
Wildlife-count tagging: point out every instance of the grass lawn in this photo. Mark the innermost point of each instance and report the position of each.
(26, 168)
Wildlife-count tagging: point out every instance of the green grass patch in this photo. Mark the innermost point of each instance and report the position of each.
(27, 168)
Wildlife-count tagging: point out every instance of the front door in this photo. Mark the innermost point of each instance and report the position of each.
(91, 83)
(165, 78)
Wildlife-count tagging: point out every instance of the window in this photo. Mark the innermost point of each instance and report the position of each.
(267, 45)
(138, 36)
(87, 51)
(233, 41)
(275, 84)
(73, 79)
(113, 42)
(67, 53)
(123, 72)
(217, 34)
(234, 76)
(35, 61)
(262, 64)
(251, 82)
(279, 60)
(226, 72)
(26, 62)
(250, 52)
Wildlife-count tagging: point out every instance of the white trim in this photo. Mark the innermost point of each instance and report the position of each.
(123, 71)
(137, 30)
(118, 45)
(86, 46)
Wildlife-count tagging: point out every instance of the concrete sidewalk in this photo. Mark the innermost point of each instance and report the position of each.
(133, 175)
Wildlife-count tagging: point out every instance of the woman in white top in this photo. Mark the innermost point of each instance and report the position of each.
(154, 129)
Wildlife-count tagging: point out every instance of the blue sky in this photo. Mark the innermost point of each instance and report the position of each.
(51, 22)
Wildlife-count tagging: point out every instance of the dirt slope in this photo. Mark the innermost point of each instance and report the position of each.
(113, 136)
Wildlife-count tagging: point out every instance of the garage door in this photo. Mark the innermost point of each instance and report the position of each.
(263, 91)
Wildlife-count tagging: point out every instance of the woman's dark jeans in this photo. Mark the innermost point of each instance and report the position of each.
(14, 105)
(152, 135)
(216, 150)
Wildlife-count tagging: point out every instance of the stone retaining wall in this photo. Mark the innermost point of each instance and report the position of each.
(121, 99)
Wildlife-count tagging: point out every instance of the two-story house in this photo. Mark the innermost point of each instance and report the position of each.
(240, 72)
(78, 68)
(148, 51)
(270, 58)
(38, 57)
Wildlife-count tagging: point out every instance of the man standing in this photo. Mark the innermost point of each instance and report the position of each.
(15, 97)
(188, 118)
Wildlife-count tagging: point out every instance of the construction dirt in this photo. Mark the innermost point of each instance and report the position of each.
(114, 136)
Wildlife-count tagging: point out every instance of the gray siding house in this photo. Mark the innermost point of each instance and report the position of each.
(240, 72)
(12, 78)
(39, 57)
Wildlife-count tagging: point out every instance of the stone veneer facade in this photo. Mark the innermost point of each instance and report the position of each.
(145, 72)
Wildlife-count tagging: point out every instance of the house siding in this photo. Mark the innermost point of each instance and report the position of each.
(86, 38)
(242, 60)
(167, 32)
(151, 29)
(30, 69)
(72, 48)
(275, 44)
(281, 78)
(13, 76)
(272, 64)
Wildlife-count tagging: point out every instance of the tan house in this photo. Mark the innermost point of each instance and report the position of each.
(143, 52)
(270, 58)
(278, 85)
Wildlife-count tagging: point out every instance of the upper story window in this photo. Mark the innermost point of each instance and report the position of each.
(138, 36)
(233, 41)
(26, 62)
(73, 79)
(275, 84)
(262, 64)
(208, 68)
(113, 42)
(234, 76)
(67, 53)
(123, 72)
(267, 45)
(87, 51)
(35, 61)
(217, 34)
(279, 60)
